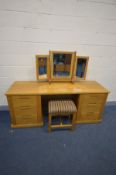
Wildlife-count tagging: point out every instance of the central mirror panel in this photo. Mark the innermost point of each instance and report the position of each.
(61, 65)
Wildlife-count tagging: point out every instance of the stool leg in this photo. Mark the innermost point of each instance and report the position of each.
(49, 123)
(73, 121)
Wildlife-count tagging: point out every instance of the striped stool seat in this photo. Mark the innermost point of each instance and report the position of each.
(60, 108)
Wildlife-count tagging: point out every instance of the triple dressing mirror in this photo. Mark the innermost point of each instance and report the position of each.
(61, 66)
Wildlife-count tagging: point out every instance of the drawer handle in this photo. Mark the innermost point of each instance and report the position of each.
(92, 103)
(25, 108)
(94, 96)
(90, 113)
(23, 98)
(27, 117)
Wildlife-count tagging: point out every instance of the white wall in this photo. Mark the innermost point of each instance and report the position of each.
(29, 27)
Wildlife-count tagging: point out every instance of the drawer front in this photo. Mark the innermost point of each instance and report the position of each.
(26, 119)
(91, 108)
(23, 100)
(25, 110)
(93, 98)
(89, 116)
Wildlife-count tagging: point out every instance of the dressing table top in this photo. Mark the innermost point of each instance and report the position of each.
(46, 88)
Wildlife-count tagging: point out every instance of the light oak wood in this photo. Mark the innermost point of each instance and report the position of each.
(61, 125)
(90, 110)
(26, 125)
(39, 110)
(86, 121)
(25, 105)
(25, 98)
(59, 109)
(24, 101)
(26, 120)
(10, 105)
(44, 88)
(25, 110)
(93, 98)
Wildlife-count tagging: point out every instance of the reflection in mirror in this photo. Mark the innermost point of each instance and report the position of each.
(42, 66)
(80, 67)
(61, 64)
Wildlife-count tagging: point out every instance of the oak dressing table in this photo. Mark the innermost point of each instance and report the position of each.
(25, 101)
(59, 75)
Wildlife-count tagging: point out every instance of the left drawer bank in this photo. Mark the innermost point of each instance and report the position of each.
(25, 110)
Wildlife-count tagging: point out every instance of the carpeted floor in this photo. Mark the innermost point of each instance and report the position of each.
(89, 150)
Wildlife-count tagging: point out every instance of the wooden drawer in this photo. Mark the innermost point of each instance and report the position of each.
(89, 116)
(24, 100)
(93, 98)
(26, 119)
(91, 108)
(24, 110)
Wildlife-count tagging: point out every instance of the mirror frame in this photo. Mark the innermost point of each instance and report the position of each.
(76, 78)
(63, 78)
(38, 76)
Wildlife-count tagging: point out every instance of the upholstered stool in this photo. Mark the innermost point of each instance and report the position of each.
(61, 108)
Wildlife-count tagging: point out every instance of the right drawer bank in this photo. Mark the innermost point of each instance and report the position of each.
(90, 107)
